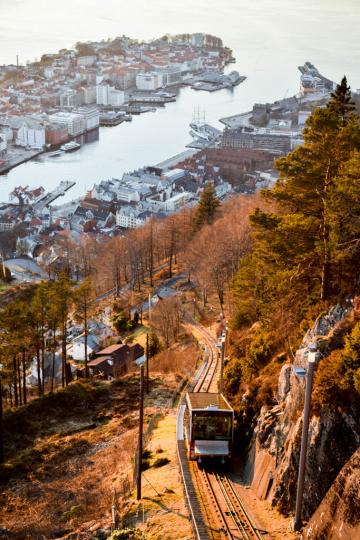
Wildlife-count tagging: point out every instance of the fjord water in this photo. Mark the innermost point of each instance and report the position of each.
(270, 38)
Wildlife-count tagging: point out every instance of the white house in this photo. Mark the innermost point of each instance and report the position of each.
(148, 81)
(127, 217)
(77, 347)
(31, 135)
(176, 201)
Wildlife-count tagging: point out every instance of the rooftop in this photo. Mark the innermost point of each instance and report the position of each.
(204, 400)
(111, 349)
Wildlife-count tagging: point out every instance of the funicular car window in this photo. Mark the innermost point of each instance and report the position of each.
(211, 426)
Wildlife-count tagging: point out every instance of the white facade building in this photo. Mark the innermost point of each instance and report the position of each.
(148, 81)
(3, 143)
(127, 217)
(109, 96)
(170, 75)
(89, 95)
(176, 202)
(31, 135)
(74, 122)
(84, 61)
(49, 72)
(127, 194)
(91, 117)
(77, 347)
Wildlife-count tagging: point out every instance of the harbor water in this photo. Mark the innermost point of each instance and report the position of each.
(270, 38)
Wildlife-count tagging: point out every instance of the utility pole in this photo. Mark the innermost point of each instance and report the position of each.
(140, 441)
(309, 374)
(147, 363)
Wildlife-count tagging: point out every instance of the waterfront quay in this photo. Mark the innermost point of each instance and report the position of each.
(17, 156)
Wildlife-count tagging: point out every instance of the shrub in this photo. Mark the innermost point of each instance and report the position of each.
(330, 386)
(160, 462)
(351, 354)
(154, 344)
(120, 321)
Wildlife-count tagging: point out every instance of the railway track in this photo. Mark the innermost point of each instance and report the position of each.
(216, 509)
(235, 522)
(207, 382)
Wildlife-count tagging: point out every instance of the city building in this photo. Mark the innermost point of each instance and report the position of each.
(3, 144)
(107, 95)
(31, 135)
(127, 217)
(56, 134)
(91, 117)
(86, 61)
(273, 143)
(89, 95)
(74, 122)
(6, 224)
(148, 81)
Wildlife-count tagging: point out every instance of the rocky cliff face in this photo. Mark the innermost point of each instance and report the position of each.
(338, 516)
(273, 461)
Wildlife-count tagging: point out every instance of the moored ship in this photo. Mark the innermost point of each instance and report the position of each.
(70, 146)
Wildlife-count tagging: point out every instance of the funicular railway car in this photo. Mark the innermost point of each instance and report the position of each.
(209, 426)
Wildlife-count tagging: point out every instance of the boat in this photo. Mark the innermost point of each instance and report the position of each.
(199, 127)
(57, 153)
(70, 146)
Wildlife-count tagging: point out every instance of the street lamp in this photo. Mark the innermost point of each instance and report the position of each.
(308, 374)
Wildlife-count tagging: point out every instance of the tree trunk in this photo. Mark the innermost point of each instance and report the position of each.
(19, 380)
(16, 397)
(38, 371)
(64, 355)
(325, 274)
(151, 265)
(10, 396)
(52, 372)
(43, 368)
(86, 342)
(24, 376)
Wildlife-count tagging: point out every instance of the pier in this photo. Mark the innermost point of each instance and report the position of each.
(17, 156)
(50, 197)
(171, 162)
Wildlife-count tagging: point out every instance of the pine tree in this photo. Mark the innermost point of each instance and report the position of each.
(208, 207)
(298, 237)
(83, 304)
(341, 102)
(344, 209)
(63, 297)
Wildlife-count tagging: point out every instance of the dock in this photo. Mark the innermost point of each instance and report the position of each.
(237, 120)
(171, 162)
(17, 157)
(50, 197)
